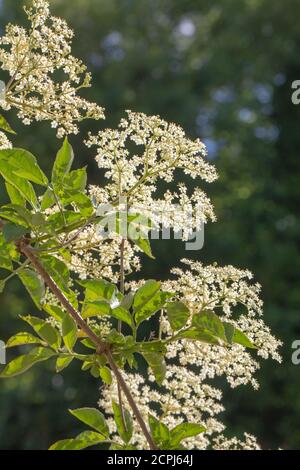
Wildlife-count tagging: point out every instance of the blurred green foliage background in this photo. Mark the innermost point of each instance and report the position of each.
(223, 70)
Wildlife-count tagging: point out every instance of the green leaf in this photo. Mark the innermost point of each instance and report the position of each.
(196, 334)
(159, 431)
(12, 232)
(21, 215)
(240, 338)
(150, 346)
(93, 418)
(123, 315)
(157, 363)
(88, 343)
(145, 293)
(116, 446)
(138, 228)
(16, 214)
(22, 185)
(34, 285)
(22, 338)
(59, 272)
(55, 312)
(95, 308)
(15, 195)
(63, 162)
(8, 253)
(58, 222)
(25, 165)
(114, 337)
(123, 421)
(48, 199)
(105, 375)
(22, 363)
(148, 300)
(57, 269)
(76, 180)
(127, 301)
(63, 361)
(83, 204)
(144, 245)
(5, 126)
(229, 331)
(178, 314)
(98, 289)
(46, 331)
(82, 441)
(5, 263)
(69, 331)
(95, 371)
(184, 430)
(234, 335)
(208, 322)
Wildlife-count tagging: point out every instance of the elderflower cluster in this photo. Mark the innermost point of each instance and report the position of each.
(228, 292)
(4, 142)
(223, 443)
(96, 256)
(143, 153)
(186, 394)
(33, 58)
(181, 398)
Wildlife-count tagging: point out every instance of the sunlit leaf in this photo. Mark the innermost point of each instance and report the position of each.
(82, 441)
(157, 364)
(22, 338)
(22, 363)
(178, 314)
(159, 431)
(5, 126)
(34, 285)
(63, 162)
(148, 300)
(185, 430)
(63, 361)
(93, 418)
(69, 331)
(46, 331)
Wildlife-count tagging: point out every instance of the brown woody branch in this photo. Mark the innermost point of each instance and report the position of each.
(102, 347)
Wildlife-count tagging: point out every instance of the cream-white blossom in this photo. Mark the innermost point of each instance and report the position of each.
(182, 397)
(34, 58)
(142, 154)
(5, 143)
(228, 292)
(186, 393)
(96, 256)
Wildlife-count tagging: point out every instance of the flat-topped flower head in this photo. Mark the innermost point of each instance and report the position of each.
(144, 152)
(34, 59)
(228, 292)
(165, 149)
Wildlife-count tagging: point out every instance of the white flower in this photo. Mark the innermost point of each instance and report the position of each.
(4, 142)
(186, 393)
(33, 59)
(143, 153)
(225, 290)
